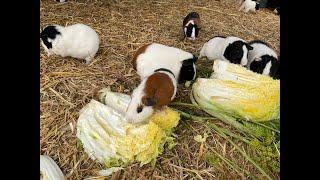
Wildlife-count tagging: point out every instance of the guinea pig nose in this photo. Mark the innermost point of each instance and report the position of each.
(139, 109)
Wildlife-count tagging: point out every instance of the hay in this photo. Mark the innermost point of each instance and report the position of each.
(68, 84)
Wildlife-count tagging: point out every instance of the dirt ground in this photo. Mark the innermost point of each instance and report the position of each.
(68, 84)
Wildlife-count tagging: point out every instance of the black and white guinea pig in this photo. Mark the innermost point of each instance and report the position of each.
(78, 41)
(231, 49)
(249, 5)
(191, 25)
(61, 1)
(153, 93)
(154, 56)
(263, 59)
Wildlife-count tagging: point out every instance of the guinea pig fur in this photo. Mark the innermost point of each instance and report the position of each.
(153, 56)
(153, 93)
(231, 49)
(191, 25)
(249, 5)
(77, 41)
(263, 59)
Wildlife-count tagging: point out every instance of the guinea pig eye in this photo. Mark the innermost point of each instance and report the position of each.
(139, 109)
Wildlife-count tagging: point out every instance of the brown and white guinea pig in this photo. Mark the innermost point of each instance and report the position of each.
(232, 49)
(263, 59)
(153, 93)
(77, 41)
(191, 25)
(151, 57)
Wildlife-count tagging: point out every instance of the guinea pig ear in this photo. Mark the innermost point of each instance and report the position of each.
(148, 101)
(257, 6)
(187, 62)
(249, 47)
(195, 58)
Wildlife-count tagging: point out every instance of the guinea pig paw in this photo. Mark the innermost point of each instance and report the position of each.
(88, 60)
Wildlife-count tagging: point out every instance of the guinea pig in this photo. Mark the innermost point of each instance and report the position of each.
(153, 93)
(263, 59)
(77, 41)
(153, 56)
(231, 49)
(191, 25)
(61, 1)
(249, 5)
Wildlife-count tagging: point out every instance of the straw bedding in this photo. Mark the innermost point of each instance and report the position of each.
(68, 84)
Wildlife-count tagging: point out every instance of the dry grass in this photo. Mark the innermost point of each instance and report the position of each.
(68, 84)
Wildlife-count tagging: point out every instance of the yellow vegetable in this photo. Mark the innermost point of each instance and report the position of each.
(237, 92)
(108, 137)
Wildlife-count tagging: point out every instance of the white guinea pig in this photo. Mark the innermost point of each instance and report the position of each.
(77, 41)
(231, 49)
(153, 93)
(151, 57)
